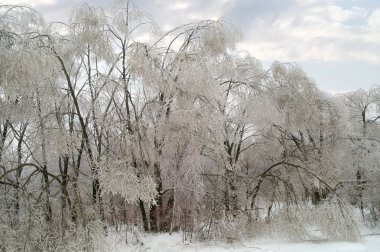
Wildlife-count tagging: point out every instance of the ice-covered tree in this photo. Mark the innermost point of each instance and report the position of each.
(363, 139)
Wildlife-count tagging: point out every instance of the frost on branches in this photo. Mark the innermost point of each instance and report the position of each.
(101, 130)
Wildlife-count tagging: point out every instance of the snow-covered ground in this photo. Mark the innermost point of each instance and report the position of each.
(166, 242)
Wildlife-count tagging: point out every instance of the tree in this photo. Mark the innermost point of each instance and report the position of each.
(99, 128)
(363, 109)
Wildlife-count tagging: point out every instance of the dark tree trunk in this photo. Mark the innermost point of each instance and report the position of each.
(155, 211)
(143, 215)
(360, 191)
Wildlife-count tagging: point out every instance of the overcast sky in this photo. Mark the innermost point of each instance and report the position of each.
(337, 42)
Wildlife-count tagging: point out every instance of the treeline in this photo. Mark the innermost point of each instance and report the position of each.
(100, 129)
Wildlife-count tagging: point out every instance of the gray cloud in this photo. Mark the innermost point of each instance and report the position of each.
(330, 31)
(292, 30)
(244, 12)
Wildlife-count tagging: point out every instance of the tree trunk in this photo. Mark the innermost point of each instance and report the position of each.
(155, 211)
(360, 191)
(143, 215)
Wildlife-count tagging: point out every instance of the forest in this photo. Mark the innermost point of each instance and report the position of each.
(109, 124)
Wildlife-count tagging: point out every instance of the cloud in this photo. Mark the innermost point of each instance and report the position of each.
(314, 30)
(291, 30)
(32, 3)
(169, 13)
(245, 12)
(179, 6)
(374, 19)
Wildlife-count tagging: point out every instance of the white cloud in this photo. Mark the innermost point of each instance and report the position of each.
(374, 19)
(32, 3)
(291, 30)
(334, 35)
(179, 6)
(315, 30)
